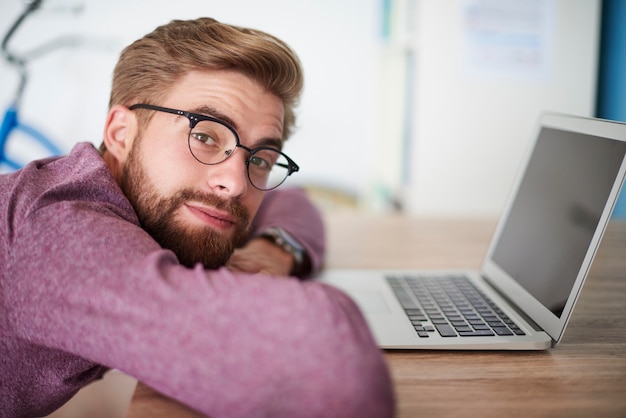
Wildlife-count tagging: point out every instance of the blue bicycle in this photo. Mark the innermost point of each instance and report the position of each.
(11, 121)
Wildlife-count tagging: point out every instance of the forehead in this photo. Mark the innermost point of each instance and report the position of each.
(240, 99)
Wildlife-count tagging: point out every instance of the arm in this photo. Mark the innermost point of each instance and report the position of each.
(223, 344)
(291, 210)
(88, 281)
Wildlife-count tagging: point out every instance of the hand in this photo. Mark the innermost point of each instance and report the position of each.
(147, 402)
(260, 255)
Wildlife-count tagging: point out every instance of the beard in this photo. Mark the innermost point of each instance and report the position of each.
(192, 244)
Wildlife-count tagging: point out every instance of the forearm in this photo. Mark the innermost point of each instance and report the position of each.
(237, 346)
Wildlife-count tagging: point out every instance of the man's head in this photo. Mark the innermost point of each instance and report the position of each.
(149, 66)
(247, 79)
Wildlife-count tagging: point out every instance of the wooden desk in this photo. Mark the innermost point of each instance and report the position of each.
(584, 376)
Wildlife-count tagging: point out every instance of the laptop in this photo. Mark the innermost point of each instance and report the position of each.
(524, 293)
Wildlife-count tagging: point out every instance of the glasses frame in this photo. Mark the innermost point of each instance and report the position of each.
(195, 118)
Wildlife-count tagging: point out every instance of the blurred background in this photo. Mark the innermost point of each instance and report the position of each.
(422, 106)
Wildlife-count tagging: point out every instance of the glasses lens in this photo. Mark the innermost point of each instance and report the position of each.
(267, 168)
(211, 142)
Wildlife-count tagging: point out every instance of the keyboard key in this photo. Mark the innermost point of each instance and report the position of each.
(516, 330)
(477, 333)
(466, 328)
(445, 330)
(502, 331)
(413, 311)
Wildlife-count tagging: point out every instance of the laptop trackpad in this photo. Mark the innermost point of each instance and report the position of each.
(370, 301)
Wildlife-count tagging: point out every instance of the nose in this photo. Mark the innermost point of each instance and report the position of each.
(229, 178)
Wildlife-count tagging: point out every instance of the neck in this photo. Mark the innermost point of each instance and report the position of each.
(113, 164)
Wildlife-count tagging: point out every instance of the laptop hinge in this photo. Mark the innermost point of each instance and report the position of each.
(512, 304)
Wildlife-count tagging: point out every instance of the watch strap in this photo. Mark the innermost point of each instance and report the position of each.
(287, 243)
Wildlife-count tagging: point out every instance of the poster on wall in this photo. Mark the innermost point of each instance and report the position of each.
(511, 39)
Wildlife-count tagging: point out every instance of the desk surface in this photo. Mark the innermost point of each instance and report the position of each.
(585, 375)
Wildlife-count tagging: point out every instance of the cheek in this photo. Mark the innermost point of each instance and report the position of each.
(168, 164)
(162, 173)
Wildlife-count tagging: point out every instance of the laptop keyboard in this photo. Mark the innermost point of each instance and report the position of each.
(451, 306)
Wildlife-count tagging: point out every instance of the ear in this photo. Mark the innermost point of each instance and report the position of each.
(119, 132)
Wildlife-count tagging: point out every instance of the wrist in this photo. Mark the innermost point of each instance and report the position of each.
(286, 242)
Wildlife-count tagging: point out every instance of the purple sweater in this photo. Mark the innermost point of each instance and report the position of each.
(83, 289)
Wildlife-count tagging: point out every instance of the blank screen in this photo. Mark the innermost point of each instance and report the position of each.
(554, 216)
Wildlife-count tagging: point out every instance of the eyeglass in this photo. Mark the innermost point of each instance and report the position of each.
(212, 141)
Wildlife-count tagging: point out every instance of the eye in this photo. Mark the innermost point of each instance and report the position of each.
(212, 134)
(260, 163)
(204, 138)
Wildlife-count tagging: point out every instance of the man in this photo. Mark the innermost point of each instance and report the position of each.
(161, 256)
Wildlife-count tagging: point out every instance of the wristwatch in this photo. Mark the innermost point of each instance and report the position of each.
(289, 244)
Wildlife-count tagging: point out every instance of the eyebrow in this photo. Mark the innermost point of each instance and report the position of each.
(213, 112)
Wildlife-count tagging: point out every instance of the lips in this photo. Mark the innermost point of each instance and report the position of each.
(208, 215)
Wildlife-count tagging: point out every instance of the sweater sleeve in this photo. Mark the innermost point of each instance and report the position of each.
(85, 279)
(291, 209)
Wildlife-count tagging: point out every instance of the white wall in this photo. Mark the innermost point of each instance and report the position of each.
(472, 120)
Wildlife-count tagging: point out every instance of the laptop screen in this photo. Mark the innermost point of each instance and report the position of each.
(554, 216)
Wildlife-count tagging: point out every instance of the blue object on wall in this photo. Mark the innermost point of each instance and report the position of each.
(611, 102)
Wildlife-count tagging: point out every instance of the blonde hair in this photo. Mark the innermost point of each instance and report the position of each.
(151, 65)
